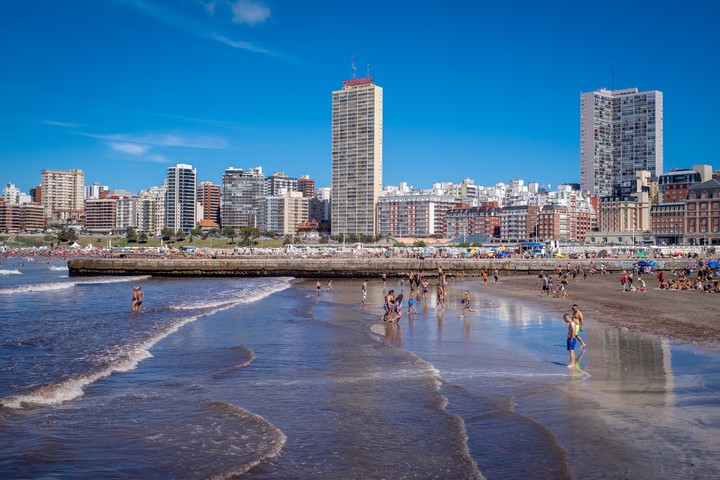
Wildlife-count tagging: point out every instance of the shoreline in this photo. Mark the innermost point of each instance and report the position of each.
(683, 315)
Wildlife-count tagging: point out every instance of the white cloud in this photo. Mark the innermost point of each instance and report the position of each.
(131, 148)
(59, 124)
(163, 140)
(210, 6)
(250, 12)
(243, 45)
(244, 11)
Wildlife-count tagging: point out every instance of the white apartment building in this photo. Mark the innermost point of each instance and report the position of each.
(181, 197)
(94, 190)
(413, 215)
(11, 193)
(150, 210)
(621, 132)
(357, 112)
(63, 195)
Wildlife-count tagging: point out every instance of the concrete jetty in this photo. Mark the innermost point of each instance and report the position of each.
(354, 267)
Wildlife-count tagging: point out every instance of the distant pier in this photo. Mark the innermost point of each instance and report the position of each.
(354, 267)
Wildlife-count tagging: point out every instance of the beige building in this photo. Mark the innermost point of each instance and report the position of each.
(283, 213)
(63, 195)
(624, 217)
(357, 112)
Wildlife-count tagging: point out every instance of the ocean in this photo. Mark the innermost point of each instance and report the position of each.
(261, 378)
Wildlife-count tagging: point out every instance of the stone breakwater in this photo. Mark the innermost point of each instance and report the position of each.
(354, 267)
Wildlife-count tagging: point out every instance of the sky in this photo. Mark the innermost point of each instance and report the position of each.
(123, 89)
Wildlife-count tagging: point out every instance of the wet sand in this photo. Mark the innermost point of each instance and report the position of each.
(685, 315)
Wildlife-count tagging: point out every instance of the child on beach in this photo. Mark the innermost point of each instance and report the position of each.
(466, 304)
(411, 306)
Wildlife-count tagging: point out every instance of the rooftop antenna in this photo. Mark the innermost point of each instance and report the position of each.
(368, 69)
(353, 66)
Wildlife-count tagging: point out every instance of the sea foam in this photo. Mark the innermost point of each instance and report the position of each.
(72, 388)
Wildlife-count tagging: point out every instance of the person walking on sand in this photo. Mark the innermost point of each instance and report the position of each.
(579, 319)
(571, 339)
(466, 301)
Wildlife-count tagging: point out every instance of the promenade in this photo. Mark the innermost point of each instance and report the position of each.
(346, 267)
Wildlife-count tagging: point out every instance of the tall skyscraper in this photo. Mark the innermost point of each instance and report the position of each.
(242, 192)
(621, 132)
(356, 156)
(181, 198)
(63, 195)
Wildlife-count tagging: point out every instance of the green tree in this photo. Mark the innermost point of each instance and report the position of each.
(131, 235)
(196, 231)
(419, 243)
(166, 233)
(229, 232)
(143, 237)
(324, 239)
(248, 234)
(180, 235)
(67, 235)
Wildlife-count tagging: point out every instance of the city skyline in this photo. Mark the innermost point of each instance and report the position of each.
(125, 89)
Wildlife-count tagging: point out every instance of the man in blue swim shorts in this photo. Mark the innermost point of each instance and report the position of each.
(571, 339)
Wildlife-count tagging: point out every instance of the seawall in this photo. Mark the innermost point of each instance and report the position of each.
(354, 267)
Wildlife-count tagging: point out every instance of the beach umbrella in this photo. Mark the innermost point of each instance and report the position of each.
(713, 264)
(643, 263)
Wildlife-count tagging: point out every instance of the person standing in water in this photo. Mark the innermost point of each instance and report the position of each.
(364, 291)
(571, 339)
(579, 320)
(137, 299)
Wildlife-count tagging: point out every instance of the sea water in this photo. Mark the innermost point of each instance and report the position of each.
(263, 378)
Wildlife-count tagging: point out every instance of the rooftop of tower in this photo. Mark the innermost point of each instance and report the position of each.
(358, 81)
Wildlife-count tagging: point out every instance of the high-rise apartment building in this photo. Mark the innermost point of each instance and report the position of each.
(94, 190)
(150, 210)
(209, 197)
(307, 186)
(280, 184)
(11, 193)
(181, 198)
(356, 156)
(621, 132)
(63, 195)
(242, 192)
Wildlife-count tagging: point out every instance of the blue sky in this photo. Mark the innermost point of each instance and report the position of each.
(122, 89)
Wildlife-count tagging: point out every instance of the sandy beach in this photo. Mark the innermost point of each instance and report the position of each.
(685, 315)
